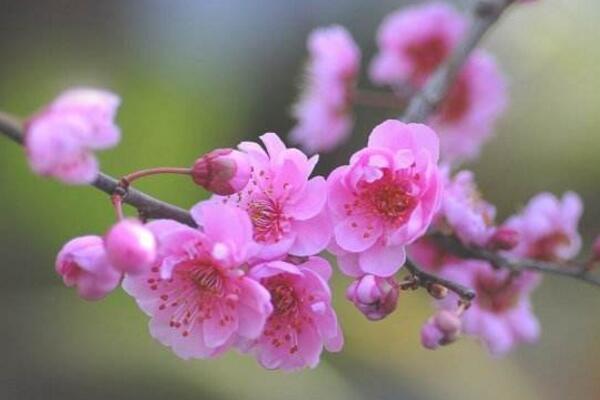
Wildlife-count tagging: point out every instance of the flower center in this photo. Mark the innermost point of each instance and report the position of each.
(426, 56)
(283, 297)
(457, 102)
(270, 224)
(207, 279)
(388, 198)
(496, 295)
(545, 248)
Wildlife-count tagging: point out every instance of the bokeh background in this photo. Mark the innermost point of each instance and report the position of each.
(198, 74)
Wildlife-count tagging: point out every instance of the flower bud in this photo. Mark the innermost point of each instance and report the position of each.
(222, 171)
(441, 329)
(375, 297)
(82, 263)
(130, 246)
(503, 239)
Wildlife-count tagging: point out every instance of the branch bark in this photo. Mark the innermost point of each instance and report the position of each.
(484, 14)
(146, 205)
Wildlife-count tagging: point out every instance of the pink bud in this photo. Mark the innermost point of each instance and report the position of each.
(431, 336)
(503, 239)
(441, 329)
(375, 297)
(82, 263)
(130, 246)
(222, 171)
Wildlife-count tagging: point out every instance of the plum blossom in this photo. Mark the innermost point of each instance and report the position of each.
(441, 329)
(303, 321)
(500, 315)
(130, 246)
(373, 296)
(222, 171)
(385, 198)
(547, 227)
(464, 210)
(414, 41)
(82, 263)
(60, 139)
(466, 117)
(429, 256)
(323, 112)
(199, 298)
(286, 207)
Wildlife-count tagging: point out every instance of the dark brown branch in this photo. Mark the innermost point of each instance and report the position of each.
(571, 270)
(147, 206)
(483, 16)
(426, 279)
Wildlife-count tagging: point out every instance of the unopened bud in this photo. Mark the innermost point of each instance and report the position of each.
(222, 171)
(441, 329)
(503, 239)
(130, 246)
(437, 291)
(375, 297)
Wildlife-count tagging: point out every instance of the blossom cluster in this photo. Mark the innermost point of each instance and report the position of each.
(248, 273)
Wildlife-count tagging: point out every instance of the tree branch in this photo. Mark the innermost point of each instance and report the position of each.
(426, 279)
(571, 270)
(147, 206)
(422, 105)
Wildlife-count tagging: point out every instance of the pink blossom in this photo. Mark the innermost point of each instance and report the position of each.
(547, 227)
(323, 112)
(303, 320)
(130, 246)
(464, 210)
(500, 315)
(222, 171)
(375, 297)
(82, 263)
(197, 294)
(441, 329)
(385, 199)
(476, 100)
(286, 207)
(60, 139)
(429, 256)
(414, 41)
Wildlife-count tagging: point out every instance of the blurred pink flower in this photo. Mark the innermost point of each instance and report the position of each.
(82, 263)
(198, 297)
(414, 41)
(466, 118)
(385, 199)
(303, 320)
(323, 112)
(547, 227)
(286, 208)
(464, 210)
(375, 297)
(428, 255)
(130, 246)
(60, 139)
(500, 315)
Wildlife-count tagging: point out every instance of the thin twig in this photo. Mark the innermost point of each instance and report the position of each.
(426, 279)
(145, 204)
(572, 270)
(483, 16)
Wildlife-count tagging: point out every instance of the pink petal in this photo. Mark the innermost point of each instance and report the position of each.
(311, 201)
(313, 235)
(382, 260)
(352, 234)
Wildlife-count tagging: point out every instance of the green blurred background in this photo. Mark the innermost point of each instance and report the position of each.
(198, 74)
